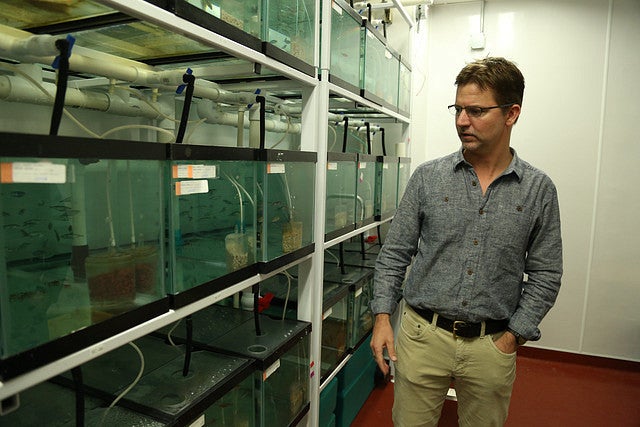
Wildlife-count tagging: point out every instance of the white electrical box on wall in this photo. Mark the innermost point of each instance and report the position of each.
(477, 41)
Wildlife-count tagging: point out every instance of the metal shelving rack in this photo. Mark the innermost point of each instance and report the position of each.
(314, 117)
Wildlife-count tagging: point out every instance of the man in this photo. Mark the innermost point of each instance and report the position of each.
(481, 230)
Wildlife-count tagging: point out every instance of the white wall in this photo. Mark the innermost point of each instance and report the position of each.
(580, 59)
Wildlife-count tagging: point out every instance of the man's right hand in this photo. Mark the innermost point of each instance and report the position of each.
(383, 338)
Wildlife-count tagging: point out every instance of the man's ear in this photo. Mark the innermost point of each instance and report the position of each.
(513, 114)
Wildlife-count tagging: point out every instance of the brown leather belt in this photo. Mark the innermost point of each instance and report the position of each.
(461, 328)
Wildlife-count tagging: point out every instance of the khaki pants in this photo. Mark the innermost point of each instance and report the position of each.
(429, 357)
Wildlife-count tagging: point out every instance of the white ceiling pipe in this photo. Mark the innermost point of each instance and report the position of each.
(17, 89)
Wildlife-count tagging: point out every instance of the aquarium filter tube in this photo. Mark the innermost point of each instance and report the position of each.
(61, 63)
(189, 81)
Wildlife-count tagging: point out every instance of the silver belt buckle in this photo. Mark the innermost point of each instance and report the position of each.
(456, 324)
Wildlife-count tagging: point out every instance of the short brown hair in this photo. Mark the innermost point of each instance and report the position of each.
(496, 74)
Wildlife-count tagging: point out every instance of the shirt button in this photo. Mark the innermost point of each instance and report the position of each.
(469, 272)
(465, 303)
(481, 211)
(474, 183)
(475, 242)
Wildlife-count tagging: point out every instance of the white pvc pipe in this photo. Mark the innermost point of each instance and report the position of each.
(16, 44)
(207, 110)
(17, 89)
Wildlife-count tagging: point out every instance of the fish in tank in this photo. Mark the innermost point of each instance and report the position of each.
(81, 243)
(213, 217)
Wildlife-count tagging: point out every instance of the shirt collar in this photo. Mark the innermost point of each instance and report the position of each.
(516, 166)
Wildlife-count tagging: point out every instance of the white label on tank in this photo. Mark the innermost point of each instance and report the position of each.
(275, 168)
(362, 165)
(192, 187)
(270, 370)
(33, 172)
(332, 166)
(195, 171)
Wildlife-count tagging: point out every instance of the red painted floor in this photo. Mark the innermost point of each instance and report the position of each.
(551, 389)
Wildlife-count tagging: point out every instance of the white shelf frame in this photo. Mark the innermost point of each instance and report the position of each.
(314, 134)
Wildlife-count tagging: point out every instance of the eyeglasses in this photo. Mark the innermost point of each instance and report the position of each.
(474, 111)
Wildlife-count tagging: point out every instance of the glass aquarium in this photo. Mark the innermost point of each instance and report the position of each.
(82, 241)
(115, 370)
(404, 173)
(281, 350)
(360, 251)
(386, 187)
(346, 24)
(39, 13)
(341, 196)
(57, 405)
(212, 219)
(286, 212)
(334, 326)
(182, 389)
(207, 324)
(175, 384)
(365, 189)
(404, 87)
(139, 40)
(242, 14)
(289, 27)
(359, 281)
(284, 289)
(380, 69)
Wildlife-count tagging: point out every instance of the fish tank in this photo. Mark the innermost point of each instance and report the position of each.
(286, 199)
(112, 372)
(341, 198)
(205, 325)
(34, 14)
(365, 189)
(404, 173)
(179, 392)
(344, 69)
(282, 288)
(281, 351)
(359, 281)
(177, 385)
(404, 87)
(138, 40)
(212, 219)
(289, 33)
(334, 326)
(359, 251)
(83, 245)
(380, 69)
(386, 187)
(238, 20)
(57, 404)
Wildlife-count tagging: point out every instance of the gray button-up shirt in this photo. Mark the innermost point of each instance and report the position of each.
(474, 256)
